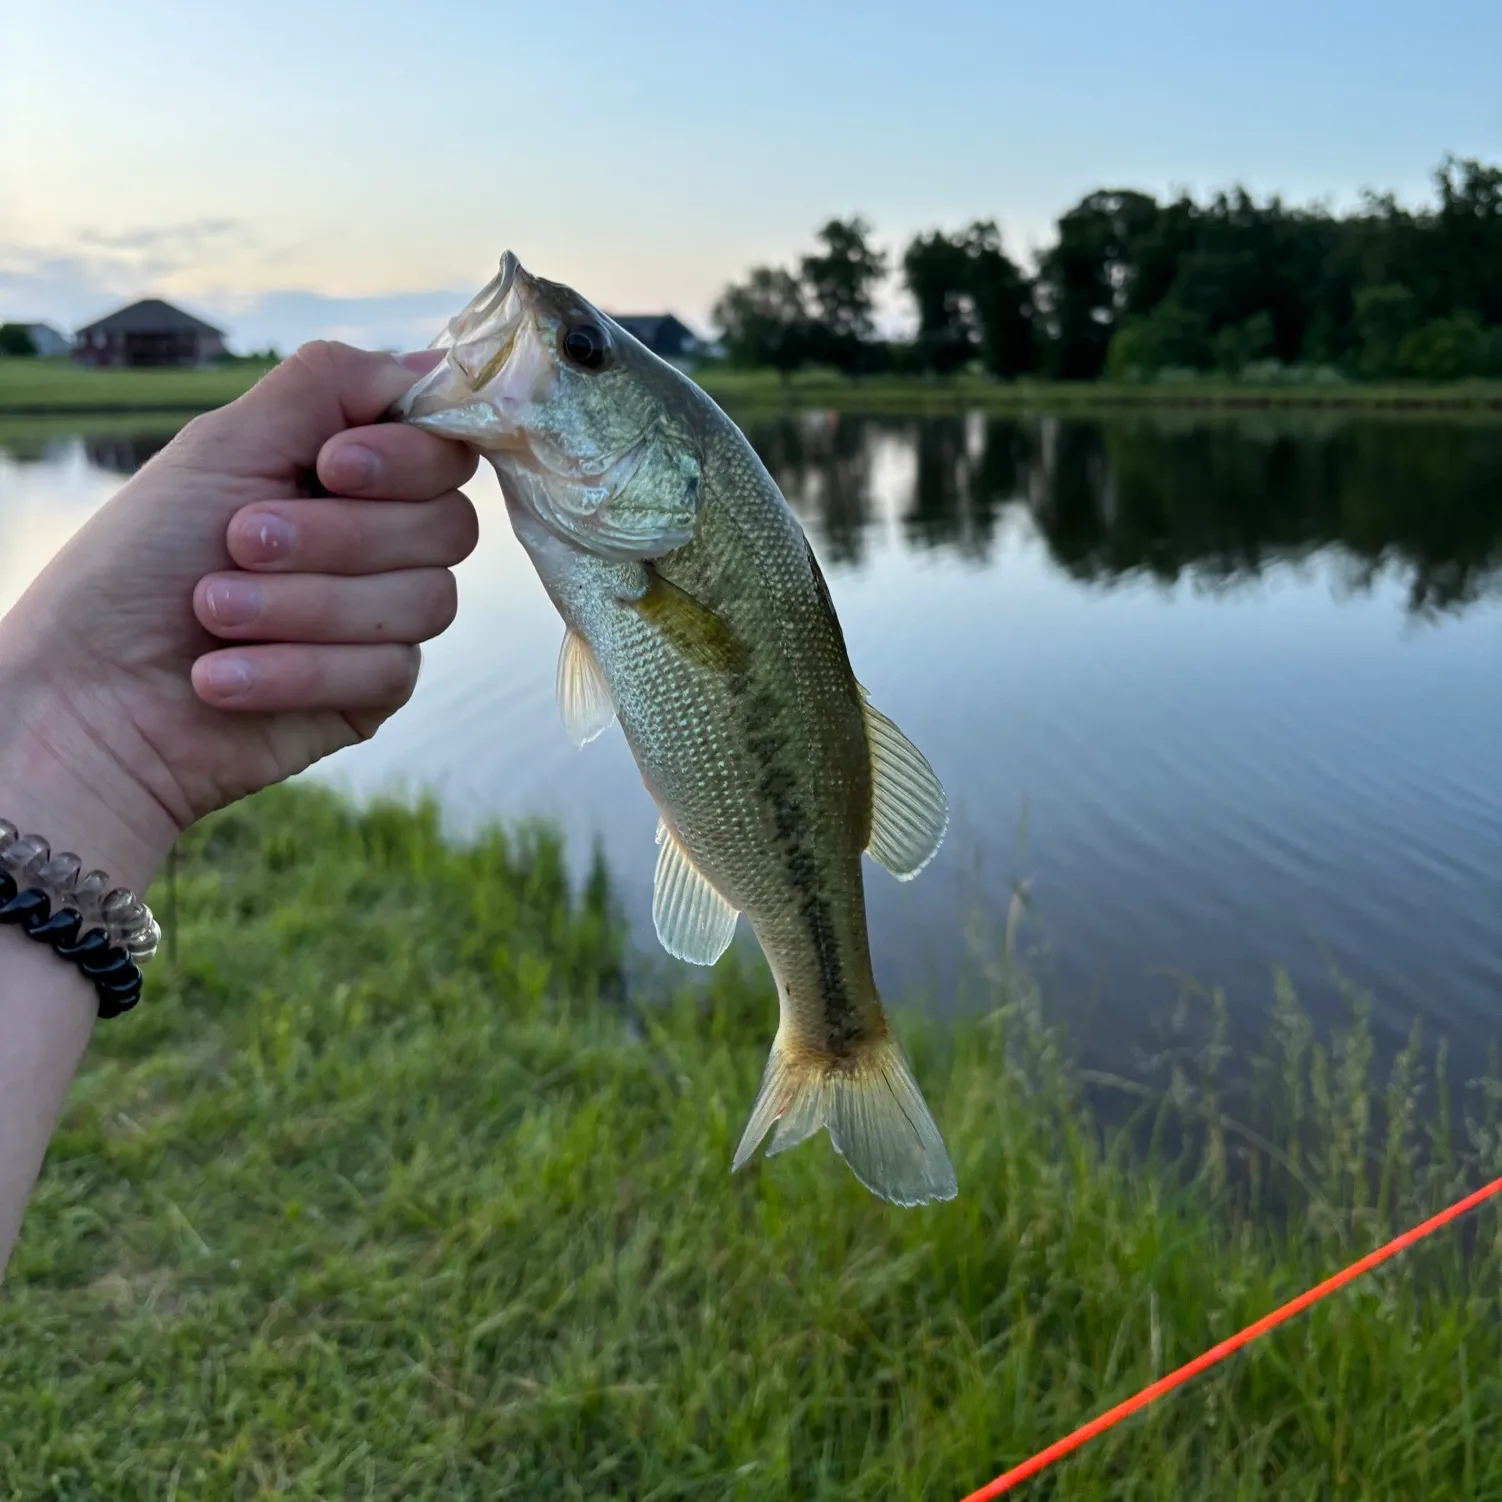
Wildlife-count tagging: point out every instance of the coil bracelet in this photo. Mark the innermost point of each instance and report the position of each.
(108, 932)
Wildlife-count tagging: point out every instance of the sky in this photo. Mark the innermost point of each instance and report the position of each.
(324, 169)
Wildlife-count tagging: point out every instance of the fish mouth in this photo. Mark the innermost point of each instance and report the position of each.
(479, 341)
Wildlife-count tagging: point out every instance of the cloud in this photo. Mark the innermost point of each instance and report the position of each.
(180, 241)
(71, 289)
(397, 320)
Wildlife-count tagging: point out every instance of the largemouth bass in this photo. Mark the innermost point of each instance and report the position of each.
(696, 614)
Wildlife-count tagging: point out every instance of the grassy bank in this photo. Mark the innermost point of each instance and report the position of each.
(386, 1191)
(31, 388)
(903, 395)
(41, 388)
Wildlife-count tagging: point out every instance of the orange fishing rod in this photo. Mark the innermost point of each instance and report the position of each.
(1108, 1420)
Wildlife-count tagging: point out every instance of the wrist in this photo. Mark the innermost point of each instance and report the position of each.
(57, 782)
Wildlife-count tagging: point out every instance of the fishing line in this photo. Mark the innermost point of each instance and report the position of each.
(1135, 1404)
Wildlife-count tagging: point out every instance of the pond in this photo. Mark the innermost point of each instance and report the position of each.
(1217, 694)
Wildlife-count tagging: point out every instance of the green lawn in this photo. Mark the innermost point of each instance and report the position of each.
(39, 388)
(903, 395)
(386, 1192)
(49, 387)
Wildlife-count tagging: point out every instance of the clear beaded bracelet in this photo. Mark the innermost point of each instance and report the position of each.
(108, 932)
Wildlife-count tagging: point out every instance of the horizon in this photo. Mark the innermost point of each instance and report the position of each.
(661, 162)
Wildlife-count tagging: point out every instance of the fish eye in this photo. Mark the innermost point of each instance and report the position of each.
(586, 346)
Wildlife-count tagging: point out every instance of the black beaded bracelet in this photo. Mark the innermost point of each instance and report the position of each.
(120, 936)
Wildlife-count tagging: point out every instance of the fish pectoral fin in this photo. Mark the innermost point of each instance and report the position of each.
(583, 697)
(909, 812)
(690, 627)
(875, 1112)
(693, 921)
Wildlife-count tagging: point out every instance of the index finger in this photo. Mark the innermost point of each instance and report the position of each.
(393, 462)
(278, 427)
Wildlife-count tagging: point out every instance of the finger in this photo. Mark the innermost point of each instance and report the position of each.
(393, 462)
(407, 605)
(277, 428)
(283, 677)
(353, 537)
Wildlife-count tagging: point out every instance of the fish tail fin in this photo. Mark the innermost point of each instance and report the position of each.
(874, 1110)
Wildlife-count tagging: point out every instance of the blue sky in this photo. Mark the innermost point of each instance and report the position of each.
(301, 169)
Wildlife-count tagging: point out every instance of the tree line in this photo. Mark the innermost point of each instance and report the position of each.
(1132, 288)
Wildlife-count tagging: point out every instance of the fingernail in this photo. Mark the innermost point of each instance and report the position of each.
(354, 468)
(421, 360)
(274, 536)
(229, 677)
(233, 602)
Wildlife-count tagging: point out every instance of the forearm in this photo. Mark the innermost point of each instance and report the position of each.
(46, 1014)
(49, 786)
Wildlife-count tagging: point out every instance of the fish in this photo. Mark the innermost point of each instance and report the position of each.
(697, 616)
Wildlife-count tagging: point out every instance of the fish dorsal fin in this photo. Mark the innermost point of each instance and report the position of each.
(909, 812)
(689, 626)
(583, 698)
(693, 921)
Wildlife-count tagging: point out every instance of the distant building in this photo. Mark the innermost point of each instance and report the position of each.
(148, 333)
(663, 334)
(46, 341)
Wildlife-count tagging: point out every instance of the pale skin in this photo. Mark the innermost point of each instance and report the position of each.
(135, 697)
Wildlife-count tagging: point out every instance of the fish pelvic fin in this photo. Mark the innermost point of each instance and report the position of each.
(693, 921)
(875, 1112)
(583, 698)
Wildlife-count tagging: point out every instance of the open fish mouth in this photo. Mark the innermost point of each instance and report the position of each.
(479, 340)
(483, 307)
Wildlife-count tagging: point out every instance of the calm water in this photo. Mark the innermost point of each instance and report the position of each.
(1226, 694)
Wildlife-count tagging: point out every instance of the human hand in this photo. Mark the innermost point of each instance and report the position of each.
(124, 716)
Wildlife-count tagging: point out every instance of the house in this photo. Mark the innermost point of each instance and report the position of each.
(148, 333)
(46, 341)
(663, 334)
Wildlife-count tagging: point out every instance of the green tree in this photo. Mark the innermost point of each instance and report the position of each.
(1001, 304)
(1468, 227)
(763, 321)
(1085, 280)
(1238, 344)
(1385, 316)
(1445, 349)
(936, 272)
(15, 339)
(1170, 337)
(840, 285)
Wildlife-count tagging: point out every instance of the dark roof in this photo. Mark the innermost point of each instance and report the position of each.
(652, 327)
(151, 316)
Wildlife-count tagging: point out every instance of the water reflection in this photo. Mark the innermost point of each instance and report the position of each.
(1215, 500)
(124, 453)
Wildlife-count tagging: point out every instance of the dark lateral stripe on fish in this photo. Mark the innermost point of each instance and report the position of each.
(778, 786)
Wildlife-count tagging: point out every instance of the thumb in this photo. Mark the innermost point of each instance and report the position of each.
(279, 425)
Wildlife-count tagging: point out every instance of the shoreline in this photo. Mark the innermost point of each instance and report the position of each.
(44, 390)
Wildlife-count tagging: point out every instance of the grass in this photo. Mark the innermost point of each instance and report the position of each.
(903, 395)
(391, 1190)
(36, 388)
(40, 388)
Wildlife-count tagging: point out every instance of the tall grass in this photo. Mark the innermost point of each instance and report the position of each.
(407, 1181)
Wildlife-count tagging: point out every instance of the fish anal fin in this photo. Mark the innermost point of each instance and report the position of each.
(690, 627)
(583, 697)
(874, 1110)
(909, 812)
(693, 921)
